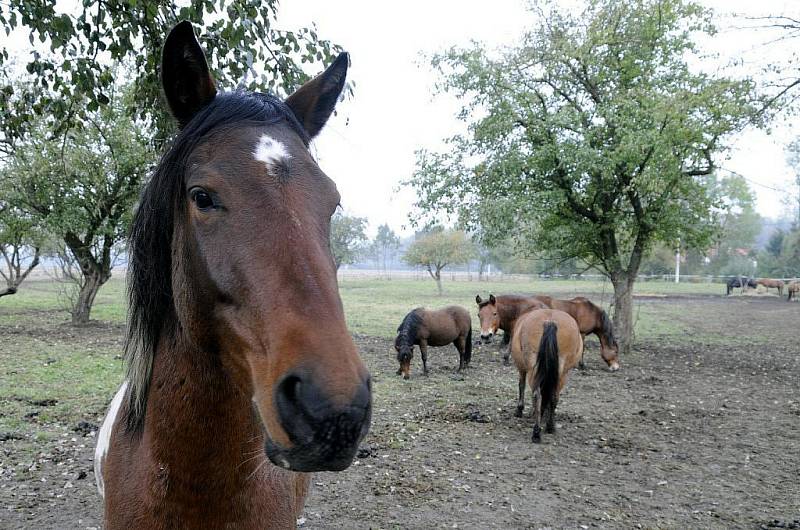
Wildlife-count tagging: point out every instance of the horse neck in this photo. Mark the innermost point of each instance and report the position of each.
(199, 424)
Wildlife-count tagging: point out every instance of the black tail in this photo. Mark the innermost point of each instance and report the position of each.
(547, 366)
(468, 346)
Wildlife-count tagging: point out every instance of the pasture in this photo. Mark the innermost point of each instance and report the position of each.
(698, 429)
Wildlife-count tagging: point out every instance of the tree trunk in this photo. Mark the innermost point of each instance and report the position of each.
(9, 291)
(438, 279)
(83, 305)
(623, 310)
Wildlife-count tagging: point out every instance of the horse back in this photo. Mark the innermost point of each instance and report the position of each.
(528, 333)
(443, 326)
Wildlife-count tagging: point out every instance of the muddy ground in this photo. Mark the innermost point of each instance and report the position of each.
(699, 430)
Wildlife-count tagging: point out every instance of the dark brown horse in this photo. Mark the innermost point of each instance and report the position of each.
(427, 327)
(769, 283)
(545, 346)
(502, 312)
(590, 319)
(242, 375)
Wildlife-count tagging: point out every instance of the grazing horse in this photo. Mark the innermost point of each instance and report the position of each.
(546, 345)
(742, 282)
(502, 312)
(429, 327)
(770, 283)
(241, 373)
(794, 289)
(590, 319)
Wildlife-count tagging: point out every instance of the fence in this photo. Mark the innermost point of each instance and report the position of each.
(470, 276)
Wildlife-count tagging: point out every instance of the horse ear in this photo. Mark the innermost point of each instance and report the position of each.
(313, 102)
(478, 299)
(185, 76)
(492, 299)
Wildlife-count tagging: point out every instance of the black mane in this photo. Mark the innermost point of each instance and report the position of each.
(407, 332)
(151, 310)
(608, 329)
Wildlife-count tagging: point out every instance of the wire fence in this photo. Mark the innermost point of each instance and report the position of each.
(468, 276)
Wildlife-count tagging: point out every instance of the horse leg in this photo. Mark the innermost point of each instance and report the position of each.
(506, 347)
(536, 437)
(521, 398)
(581, 365)
(423, 350)
(462, 361)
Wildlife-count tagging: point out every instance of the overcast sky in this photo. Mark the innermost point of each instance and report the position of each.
(368, 148)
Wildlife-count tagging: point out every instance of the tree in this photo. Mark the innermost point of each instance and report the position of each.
(592, 140)
(437, 249)
(21, 243)
(82, 188)
(74, 67)
(384, 245)
(347, 238)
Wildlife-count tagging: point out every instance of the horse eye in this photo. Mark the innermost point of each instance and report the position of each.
(201, 198)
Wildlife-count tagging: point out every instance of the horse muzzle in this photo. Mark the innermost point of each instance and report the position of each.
(324, 436)
(486, 338)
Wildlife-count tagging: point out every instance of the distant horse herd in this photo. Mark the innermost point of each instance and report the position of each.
(744, 283)
(543, 335)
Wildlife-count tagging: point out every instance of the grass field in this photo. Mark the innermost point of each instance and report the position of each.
(47, 358)
(56, 380)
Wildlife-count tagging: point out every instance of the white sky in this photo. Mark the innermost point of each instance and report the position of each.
(368, 148)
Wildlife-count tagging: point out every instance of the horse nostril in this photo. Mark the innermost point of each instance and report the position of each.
(291, 410)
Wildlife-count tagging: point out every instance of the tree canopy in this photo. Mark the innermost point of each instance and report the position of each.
(593, 139)
(82, 188)
(348, 237)
(80, 47)
(437, 249)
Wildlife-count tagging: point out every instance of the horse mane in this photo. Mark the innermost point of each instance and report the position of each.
(608, 328)
(151, 312)
(407, 330)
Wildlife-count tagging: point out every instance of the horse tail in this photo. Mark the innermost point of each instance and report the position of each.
(547, 373)
(468, 345)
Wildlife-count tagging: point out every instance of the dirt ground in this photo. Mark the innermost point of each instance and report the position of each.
(696, 431)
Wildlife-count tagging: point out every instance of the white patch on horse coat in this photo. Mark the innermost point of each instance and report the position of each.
(104, 437)
(271, 151)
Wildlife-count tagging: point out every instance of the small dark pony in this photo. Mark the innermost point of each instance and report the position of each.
(742, 282)
(426, 327)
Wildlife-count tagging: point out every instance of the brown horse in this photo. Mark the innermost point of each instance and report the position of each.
(769, 283)
(794, 289)
(546, 345)
(241, 373)
(427, 327)
(590, 319)
(502, 312)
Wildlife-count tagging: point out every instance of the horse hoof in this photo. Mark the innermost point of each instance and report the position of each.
(550, 429)
(536, 438)
(581, 366)
(518, 413)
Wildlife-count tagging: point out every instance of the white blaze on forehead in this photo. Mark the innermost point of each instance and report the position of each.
(104, 437)
(271, 151)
